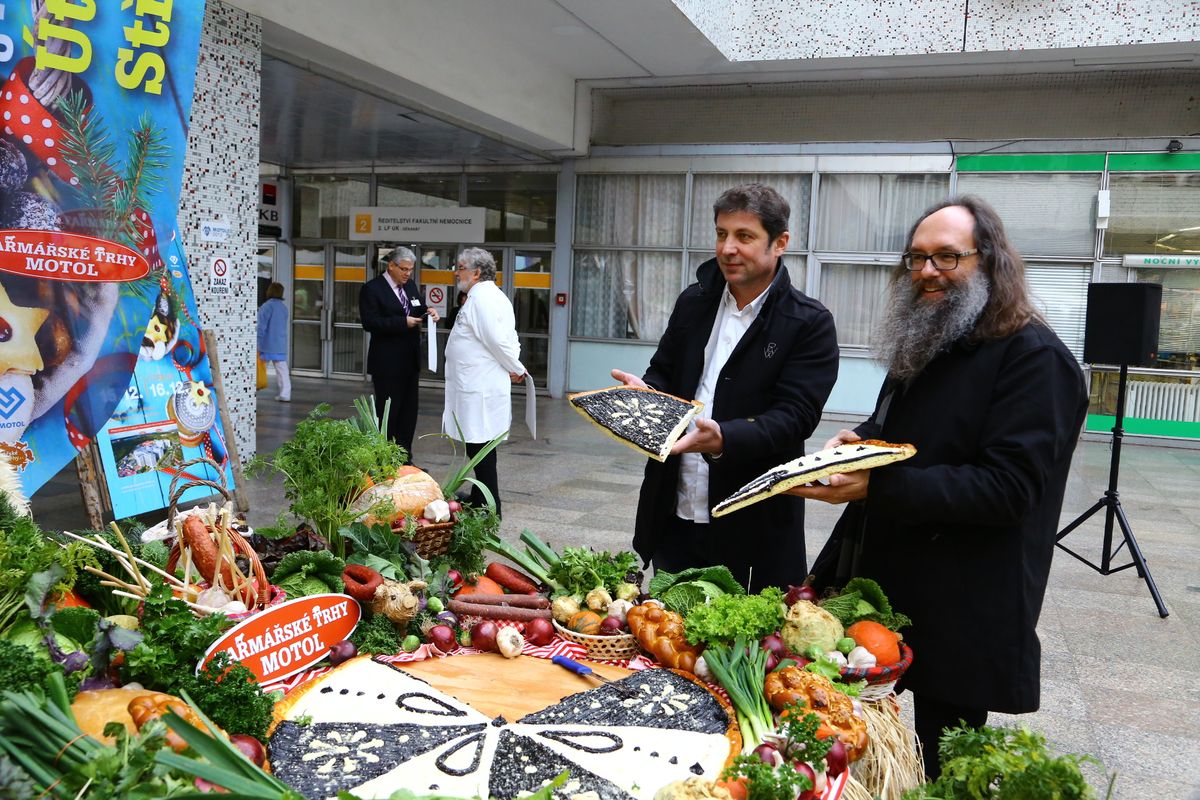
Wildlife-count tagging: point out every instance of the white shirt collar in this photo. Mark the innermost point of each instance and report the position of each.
(752, 307)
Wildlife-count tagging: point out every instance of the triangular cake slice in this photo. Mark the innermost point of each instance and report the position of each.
(522, 766)
(647, 420)
(851, 457)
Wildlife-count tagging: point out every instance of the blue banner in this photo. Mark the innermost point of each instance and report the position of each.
(99, 334)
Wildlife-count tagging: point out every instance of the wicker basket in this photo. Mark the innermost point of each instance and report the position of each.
(433, 539)
(880, 680)
(620, 647)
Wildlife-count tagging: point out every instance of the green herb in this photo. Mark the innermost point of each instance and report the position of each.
(24, 552)
(681, 591)
(306, 572)
(473, 528)
(23, 667)
(729, 615)
(1004, 764)
(765, 782)
(863, 598)
(581, 569)
(377, 635)
(325, 468)
(229, 693)
(799, 738)
(174, 642)
(740, 668)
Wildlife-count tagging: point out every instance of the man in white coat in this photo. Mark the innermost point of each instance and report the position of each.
(483, 361)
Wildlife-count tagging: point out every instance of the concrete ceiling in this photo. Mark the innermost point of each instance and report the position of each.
(464, 82)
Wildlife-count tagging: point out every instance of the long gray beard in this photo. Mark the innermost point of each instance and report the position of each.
(912, 333)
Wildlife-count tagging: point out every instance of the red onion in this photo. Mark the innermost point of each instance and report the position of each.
(342, 651)
(774, 645)
(455, 506)
(539, 632)
(611, 626)
(772, 662)
(442, 637)
(807, 771)
(483, 635)
(250, 747)
(769, 754)
(836, 759)
(797, 593)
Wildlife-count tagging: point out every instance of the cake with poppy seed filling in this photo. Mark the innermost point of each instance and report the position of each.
(647, 420)
(852, 457)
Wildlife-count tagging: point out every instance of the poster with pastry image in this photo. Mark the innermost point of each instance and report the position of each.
(97, 314)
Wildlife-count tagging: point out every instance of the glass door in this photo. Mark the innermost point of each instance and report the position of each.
(528, 285)
(327, 334)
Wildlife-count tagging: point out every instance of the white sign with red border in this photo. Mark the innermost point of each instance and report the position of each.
(218, 276)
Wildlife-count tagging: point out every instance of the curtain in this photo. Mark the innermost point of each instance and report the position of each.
(1154, 214)
(854, 294)
(1045, 214)
(625, 210)
(1060, 292)
(796, 188)
(624, 294)
(872, 213)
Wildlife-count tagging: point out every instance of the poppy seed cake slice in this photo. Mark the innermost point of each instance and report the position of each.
(647, 420)
(851, 457)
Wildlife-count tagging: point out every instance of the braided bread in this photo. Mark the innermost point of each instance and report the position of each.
(660, 633)
(814, 693)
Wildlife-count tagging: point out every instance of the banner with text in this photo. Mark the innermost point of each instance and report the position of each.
(412, 225)
(99, 338)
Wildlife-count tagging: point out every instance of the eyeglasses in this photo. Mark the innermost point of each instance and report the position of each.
(461, 268)
(915, 262)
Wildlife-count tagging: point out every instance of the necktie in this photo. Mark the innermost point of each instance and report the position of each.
(403, 299)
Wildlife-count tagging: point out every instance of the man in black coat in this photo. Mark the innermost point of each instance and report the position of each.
(961, 536)
(391, 310)
(762, 357)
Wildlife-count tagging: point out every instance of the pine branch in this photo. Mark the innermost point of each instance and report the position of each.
(147, 160)
(89, 152)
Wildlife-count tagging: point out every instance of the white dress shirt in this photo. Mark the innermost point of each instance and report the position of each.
(691, 495)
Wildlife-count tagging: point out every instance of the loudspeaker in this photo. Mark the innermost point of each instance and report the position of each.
(1122, 324)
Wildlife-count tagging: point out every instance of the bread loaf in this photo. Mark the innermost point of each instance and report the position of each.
(409, 492)
(660, 633)
(810, 692)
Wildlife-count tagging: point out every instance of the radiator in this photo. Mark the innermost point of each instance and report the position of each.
(1179, 402)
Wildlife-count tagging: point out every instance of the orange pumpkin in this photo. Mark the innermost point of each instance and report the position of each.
(482, 585)
(880, 641)
(585, 622)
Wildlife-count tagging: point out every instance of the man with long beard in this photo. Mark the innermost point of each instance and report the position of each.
(961, 536)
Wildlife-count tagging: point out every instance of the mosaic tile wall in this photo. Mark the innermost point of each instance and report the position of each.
(220, 183)
(766, 30)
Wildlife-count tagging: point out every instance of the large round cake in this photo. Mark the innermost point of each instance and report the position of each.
(371, 728)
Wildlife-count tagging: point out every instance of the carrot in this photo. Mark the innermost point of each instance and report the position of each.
(510, 579)
(465, 609)
(516, 600)
(482, 585)
(735, 786)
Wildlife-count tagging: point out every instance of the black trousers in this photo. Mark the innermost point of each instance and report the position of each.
(684, 544)
(402, 417)
(485, 473)
(934, 716)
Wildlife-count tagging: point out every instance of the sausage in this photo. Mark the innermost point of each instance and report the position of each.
(510, 579)
(517, 600)
(464, 609)
(361, 582)
(203, 550)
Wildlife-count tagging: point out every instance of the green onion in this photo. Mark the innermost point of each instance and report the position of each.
(740, 669)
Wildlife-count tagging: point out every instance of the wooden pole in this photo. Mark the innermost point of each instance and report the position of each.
(91, 486)
(214, 363)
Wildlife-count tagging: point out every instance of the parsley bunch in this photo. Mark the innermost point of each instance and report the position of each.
(1003, 764)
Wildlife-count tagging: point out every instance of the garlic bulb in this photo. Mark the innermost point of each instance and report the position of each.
(437, 511)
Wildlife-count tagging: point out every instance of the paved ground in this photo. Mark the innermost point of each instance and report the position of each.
(1118, 682)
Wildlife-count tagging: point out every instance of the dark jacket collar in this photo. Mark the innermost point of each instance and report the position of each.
(711, 280)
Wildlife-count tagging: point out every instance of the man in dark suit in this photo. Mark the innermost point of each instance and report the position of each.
(391, 311)
(763, 357)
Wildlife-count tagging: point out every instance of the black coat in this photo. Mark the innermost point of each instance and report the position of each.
(395, 349)
(961, 536)
(768, 400)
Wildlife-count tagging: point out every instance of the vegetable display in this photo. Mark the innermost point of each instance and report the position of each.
(681, 591)
(308, 572)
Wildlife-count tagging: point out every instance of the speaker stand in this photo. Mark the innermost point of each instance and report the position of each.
(1111, 503)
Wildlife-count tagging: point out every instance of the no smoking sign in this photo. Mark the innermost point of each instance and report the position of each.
(218, 276)
(435, 296)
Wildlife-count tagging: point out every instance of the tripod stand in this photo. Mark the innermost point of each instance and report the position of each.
(1111, 503)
